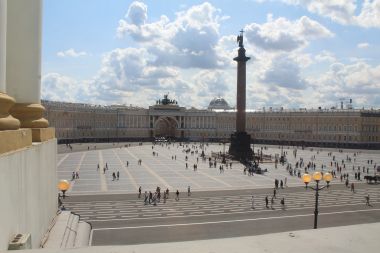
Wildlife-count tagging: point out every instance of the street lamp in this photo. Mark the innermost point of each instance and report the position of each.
(63, 186)
(317, 176)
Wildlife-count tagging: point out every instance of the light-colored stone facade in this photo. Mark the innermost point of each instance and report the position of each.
(75, 122)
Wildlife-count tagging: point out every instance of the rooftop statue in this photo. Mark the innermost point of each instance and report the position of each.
(166, 101)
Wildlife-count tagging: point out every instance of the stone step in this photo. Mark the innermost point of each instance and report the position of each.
(57, 232)
(83, 235)
(71, 232)
(68, 232)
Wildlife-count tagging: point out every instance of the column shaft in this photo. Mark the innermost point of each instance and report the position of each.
(241, 97)
(7, 122)
(23, 74)
(3, 33)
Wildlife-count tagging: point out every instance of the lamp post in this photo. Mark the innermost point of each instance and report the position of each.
(317, 176)
(63, 185)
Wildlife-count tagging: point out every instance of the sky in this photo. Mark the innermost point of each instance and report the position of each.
(304, 53)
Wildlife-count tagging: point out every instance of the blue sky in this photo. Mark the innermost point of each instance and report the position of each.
(304, 53)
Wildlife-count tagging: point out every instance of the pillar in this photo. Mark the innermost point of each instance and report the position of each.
(7, 122)
(240, 140)
(23, 65)
(241, 90)
(11, 137)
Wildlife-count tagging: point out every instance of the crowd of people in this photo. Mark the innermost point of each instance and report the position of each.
(195, 153)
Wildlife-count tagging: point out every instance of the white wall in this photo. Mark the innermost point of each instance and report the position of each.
(28, 191)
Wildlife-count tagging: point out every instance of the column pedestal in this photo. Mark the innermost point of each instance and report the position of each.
(12, 140)
(240, 147)
(43, 134)
(11, 137)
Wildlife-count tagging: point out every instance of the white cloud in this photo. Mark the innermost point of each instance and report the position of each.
(189, 41)
(135, 25)
(343, 11)
(131, 68)
(359, 81)
(340, 11)
(370, 14)
(188, 57)
(282, 34)
(363, 45)
(285, 72)
(71, 53)
(57, 87)
(208, 83)
(325, 56)
(137, 13)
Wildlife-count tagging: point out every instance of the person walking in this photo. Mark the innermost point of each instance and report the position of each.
(117, 175)
(274, 193)
(154, 199)
(145, 198)
(139, 192)
(253, 202)
(177, 195)
(367, 200)
(150, 197)
(271, 202)
(283, 203)
(353, 187)
(266, 201)
(188, 191)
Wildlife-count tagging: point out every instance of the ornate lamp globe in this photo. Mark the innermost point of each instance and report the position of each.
(317, 176)
(63, 185)
(327, 177)
(306, 178)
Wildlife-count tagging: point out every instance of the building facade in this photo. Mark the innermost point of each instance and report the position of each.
(76, 122)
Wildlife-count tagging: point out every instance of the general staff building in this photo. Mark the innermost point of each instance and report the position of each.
(75, 122)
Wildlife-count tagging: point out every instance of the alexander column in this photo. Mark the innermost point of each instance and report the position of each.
(240, 146)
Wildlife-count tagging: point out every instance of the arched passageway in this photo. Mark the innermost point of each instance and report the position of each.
(165, 127)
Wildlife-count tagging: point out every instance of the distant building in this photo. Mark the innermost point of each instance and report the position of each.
(331, 128)
(219, 103)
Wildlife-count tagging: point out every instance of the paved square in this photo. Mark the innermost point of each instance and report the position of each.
(161, 170)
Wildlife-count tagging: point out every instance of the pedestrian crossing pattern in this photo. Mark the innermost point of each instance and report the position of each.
(98, 211)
